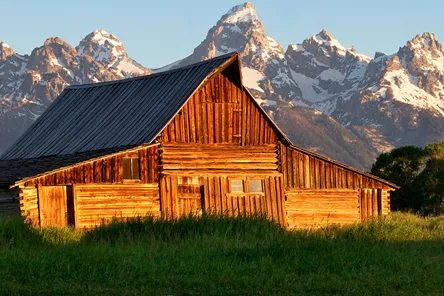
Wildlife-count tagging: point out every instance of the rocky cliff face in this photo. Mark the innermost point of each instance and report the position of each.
(265, 68)
(28, 84)
(400, 99)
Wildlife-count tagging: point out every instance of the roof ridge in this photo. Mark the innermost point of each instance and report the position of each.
(97, 84)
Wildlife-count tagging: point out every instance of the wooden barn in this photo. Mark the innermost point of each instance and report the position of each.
(187, 140)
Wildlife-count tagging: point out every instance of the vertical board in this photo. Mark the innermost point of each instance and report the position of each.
(53, 206)
(105, 170)
(220, 112)
(373, 203)
(303, 170)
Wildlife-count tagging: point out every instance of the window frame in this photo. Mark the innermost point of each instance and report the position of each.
(261, 184)
(231, 186)
(134, 161)
(246, 186)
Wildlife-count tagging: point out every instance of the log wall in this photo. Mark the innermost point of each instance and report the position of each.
(104, 170)
(322, 207)
(29, 207)
(188, 159)
(9, 202)
(220, 112)
(100, 203)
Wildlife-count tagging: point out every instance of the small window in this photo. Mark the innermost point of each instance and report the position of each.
(255, 186)
(131, 168)
(237, 186)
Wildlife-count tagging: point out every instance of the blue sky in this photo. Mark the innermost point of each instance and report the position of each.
(156, 33)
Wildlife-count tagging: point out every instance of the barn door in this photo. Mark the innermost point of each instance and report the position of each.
(189, 199)
(56, 206)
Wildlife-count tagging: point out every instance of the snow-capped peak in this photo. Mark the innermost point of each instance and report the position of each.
(422, 53)
(102, 46)
(243, 13)
(429, 37)
(106, 49)
(4, 45)
(425, 41)
(325, 35)
(5, 50)
(325, 39)
(102, 36)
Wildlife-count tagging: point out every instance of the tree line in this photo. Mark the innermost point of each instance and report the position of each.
(419, 172)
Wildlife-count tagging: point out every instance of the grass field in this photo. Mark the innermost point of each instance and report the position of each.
(400, 255)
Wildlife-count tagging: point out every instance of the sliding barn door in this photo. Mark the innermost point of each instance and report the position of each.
(56, 206)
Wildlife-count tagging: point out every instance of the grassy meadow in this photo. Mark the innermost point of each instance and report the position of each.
(399, 255)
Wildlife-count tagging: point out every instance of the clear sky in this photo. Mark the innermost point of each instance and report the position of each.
(156, 33)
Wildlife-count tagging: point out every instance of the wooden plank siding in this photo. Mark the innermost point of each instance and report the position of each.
(374, 203)
(101, 203)
(216, 197)
(220, 134)
(53, 206)
(322, 207)
(105, 170)
(101, 182)
(220, 112)
(308, 171)
(320, 192)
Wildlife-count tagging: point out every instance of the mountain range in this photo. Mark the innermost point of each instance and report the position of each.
(326, 97)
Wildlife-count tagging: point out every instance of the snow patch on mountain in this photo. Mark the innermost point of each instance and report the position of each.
(240, 14)
(252, 78)
(309, 87)
(106, 49)
(325, 39)
(400, 86)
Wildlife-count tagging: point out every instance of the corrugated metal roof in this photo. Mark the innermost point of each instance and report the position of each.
(99, 116)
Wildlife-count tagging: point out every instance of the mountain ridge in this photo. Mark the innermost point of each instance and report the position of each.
(380, 103)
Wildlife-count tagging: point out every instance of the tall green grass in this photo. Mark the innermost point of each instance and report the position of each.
(398, 255)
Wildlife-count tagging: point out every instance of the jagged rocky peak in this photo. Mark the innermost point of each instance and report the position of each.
(265, 68)
(378, 55)
(325, 35)
(109, 51)
(5, 51)
(101, 46)
(425, 44)
(327, 42)
(55, 53)
(425, 41)
(241, 30)
(244, 13)
(422, 53)
(58, 45)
